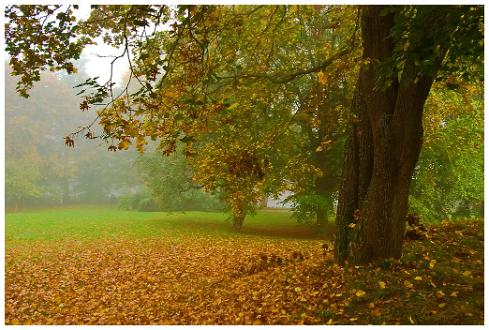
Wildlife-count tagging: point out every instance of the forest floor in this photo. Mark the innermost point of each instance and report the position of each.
(104, 266)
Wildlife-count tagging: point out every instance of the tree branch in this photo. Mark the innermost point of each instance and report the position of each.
(285, 77)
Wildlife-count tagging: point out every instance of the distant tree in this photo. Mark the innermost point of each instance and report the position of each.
(323, 117)
(449, 176)
(39, 167)
(169, 179)
(21, 181)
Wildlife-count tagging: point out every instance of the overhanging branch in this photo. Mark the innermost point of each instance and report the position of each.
(285, 77)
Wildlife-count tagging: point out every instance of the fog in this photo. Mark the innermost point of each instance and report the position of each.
(40, 169)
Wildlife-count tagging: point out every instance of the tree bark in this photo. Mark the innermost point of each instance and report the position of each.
(321, 216)
(238, 220)
(382, 149)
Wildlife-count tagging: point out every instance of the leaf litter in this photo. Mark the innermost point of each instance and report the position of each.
(243, 280)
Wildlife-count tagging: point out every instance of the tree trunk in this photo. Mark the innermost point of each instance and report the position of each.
(321, 216)
(382, 150)
(238, 220)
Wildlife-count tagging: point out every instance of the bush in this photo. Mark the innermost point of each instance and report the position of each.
(138, 202)
(306, 205)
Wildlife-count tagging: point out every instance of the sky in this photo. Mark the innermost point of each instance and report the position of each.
(99, 66)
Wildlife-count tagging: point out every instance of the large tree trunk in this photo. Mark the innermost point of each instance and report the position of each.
(382, 150)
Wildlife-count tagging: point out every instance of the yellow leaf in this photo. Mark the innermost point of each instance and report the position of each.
(467, 273)
(360, 293)
(382, 284)
(376, 312)
(418, 278)
(408, 284)
(442, 305)
(432, 264)
(297, 289)
(233, 106)
(14, 322)
(124, 144)
(140, 141)
(411, 320)
(321, 78)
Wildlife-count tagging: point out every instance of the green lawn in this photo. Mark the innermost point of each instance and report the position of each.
(89, 222)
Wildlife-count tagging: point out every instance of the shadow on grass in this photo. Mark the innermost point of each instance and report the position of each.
(296, 231)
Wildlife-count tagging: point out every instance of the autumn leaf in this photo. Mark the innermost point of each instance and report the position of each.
(232, 107)
(69, 141)
(440, 294)
(375, 312)
(321, 77)
(124, 144)
(360, 293)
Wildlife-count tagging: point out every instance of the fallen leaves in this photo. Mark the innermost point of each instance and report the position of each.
(243, 280)
(185, 281)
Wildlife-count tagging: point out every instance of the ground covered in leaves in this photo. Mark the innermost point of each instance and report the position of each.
(206, 278)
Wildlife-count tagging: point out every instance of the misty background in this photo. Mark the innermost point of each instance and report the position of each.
(40, 169)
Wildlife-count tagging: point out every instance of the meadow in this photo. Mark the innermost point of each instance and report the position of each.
(99, 265)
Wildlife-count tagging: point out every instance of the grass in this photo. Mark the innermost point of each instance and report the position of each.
(99, 265)
(82, 222)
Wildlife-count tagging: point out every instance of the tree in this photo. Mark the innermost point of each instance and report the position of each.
(449, 176)
(169, 179)
(216, 65)
(404, 50)
(324, 115)
(223, 75)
